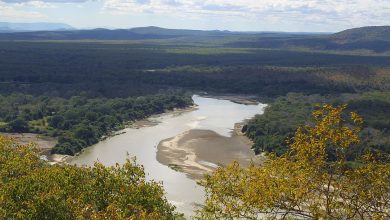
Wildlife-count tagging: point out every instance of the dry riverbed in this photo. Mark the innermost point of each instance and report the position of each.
(199, 152)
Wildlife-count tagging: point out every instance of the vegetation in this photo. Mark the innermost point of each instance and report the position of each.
(71, 89)
(277, 125)
(33, 189)
(304, 182)
(122, 69)
(80, 121)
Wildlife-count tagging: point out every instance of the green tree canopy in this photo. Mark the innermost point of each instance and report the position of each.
(18, 125)
(33, 189)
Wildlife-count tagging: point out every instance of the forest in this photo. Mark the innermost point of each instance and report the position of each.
(80, 91)
(121, 69)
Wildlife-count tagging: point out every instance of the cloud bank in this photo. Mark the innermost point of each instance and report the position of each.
(309, 10)
(52, 1)
(278, 13)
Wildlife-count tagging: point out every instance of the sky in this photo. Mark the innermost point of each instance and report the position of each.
(234, 15)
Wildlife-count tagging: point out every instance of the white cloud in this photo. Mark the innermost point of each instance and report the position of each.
(9, 12)
(347, 12)
(292, 15)
(36, 4)
(53, 1)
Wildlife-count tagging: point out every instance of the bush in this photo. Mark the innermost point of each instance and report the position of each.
(18, 125)
(33, 189)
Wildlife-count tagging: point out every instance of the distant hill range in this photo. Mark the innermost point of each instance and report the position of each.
(7, 27)
(375, 38)
(116, 34)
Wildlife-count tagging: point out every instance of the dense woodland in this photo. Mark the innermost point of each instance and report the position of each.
(121, 69)
(41, 83)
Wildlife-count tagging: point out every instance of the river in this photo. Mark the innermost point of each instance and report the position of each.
(211, 114)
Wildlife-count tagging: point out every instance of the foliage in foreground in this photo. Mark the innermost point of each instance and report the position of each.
(32, 189)
(303, 183)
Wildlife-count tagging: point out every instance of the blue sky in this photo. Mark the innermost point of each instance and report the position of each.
(236, 15)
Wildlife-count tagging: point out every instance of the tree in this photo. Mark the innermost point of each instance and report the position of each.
(33, 189)
(305, 182)
(57, 121)
(18, 125)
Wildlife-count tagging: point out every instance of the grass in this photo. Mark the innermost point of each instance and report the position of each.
(175, 167)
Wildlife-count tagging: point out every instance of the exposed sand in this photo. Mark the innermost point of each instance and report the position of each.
(198, 152)
(151, 121)
(59, 159)
(44, 143)
(239, 99)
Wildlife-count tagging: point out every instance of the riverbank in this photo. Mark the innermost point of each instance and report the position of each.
(44, 143)
(239, 99)
(139, 124)
(200, 152)
(151, 121)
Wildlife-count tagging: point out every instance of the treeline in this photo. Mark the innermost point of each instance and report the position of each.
(80, 121)
(122, 69)
(272, 130)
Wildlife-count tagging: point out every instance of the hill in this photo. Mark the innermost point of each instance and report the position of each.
(117, 34)
(373, 33)
(179, 32)
(140, 33)
(9, 27)
(376, 39)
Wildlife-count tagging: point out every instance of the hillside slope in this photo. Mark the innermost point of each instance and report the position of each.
(372, 33)
(376, 39)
